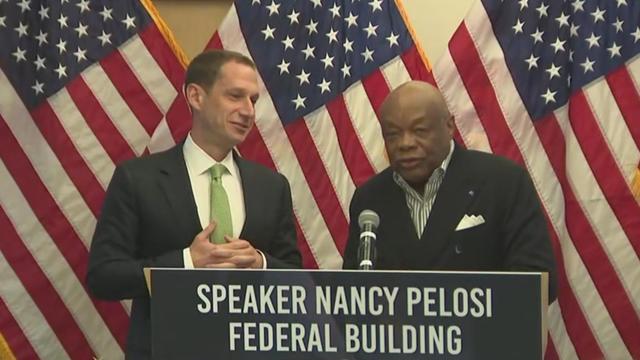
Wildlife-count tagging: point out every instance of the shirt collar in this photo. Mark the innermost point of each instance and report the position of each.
(199, 162)
(442, 169)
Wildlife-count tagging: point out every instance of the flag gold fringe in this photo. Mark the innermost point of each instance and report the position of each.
(404, 15)
(5, 351)
(165, 31)
(635, 185)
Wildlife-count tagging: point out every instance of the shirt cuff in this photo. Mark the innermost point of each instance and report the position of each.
(264, 259)
(186, 257)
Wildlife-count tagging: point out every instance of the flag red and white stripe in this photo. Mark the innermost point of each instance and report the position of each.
(582, 158)
(328, 152)
(56, 160)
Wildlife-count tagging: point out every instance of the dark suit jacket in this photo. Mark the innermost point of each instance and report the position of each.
(149, 216)
(514, 236)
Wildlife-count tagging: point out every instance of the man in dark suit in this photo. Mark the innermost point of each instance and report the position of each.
(162, 210)
(442, 207)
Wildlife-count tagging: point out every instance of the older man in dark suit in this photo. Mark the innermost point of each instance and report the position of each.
(196, 205)
(442, 207)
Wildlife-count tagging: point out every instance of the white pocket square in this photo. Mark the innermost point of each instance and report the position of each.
(469, 221)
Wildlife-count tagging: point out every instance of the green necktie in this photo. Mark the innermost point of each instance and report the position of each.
(220, 211)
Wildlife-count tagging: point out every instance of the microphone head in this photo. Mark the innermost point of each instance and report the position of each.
(368, 217)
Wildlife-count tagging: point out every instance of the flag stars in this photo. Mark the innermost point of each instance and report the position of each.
(312, 27)
(105, 38)
(61, 71)
(558, 45)
(24, 5)
(293, 17)
(517, 28)
(393, 40)
(333, 36)
(284, 67)
(618, 25)
(62, 46)
(523, 4)
(42, 38)
(22, 30)
(375, 5)
(587, 65)
(44, 12)
(346, 70)
(83, 5)
(316, 3)
(542, 10)
(39, 62)
(81, 29)
(106, 13)
(578, 5)
(288, 42)
(80, 54)
(352, 20)
(303, 77)
(563, 20)
(532, 61)
(553, 71)
(129, 22)
(549, 96)
(621, 2)
(537, 36)
(335, 10)
(367, 54)
(253, 2)
(38, 87)
(636, 35)
(268, 32)
(62, 20)
(273, 8)
(593, 40)
(573, 30)
(308, 52)
(327, 61)
(19, 54)
(614, 50)
(348, 46)
(371, 30)
(324, 86)
(3, 20)
(598, 15)
(299, 101)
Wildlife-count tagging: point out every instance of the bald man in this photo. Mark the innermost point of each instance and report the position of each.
(442, 207)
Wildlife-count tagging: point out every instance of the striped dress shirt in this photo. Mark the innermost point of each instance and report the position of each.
(420, 204)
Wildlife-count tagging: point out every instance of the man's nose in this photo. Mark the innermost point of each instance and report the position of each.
(248, 107)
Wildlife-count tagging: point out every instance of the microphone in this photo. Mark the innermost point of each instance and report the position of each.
(368, 221)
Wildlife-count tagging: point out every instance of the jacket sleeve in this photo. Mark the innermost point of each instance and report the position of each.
(115, 269)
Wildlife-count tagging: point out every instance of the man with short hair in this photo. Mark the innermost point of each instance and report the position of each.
(442, 207)
(198, 204)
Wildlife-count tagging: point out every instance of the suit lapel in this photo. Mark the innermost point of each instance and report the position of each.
(250, 192)
(458, 189)
(176, 186)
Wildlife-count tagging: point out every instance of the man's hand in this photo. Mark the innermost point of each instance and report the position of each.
(235, 253)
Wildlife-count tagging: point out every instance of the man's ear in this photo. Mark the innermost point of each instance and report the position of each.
(194, 94)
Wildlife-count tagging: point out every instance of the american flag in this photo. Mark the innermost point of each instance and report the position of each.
(84, 84)
(326, 66)
(554, 85)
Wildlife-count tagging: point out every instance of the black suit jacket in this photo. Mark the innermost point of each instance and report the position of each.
(514, 236)
(149, 216)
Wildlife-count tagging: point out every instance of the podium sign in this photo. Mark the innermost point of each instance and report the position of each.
(297, 314)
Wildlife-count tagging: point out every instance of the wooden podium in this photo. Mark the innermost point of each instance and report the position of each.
(299, 314)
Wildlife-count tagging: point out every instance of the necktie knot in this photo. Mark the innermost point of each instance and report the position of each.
(217, 171)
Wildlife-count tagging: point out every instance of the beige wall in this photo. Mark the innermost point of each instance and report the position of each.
(194, 21)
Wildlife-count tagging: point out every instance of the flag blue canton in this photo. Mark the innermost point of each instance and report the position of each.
(309, 51)
(554, 48)
(47, 43)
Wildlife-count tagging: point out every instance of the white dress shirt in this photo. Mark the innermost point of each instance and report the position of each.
(198, 164)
